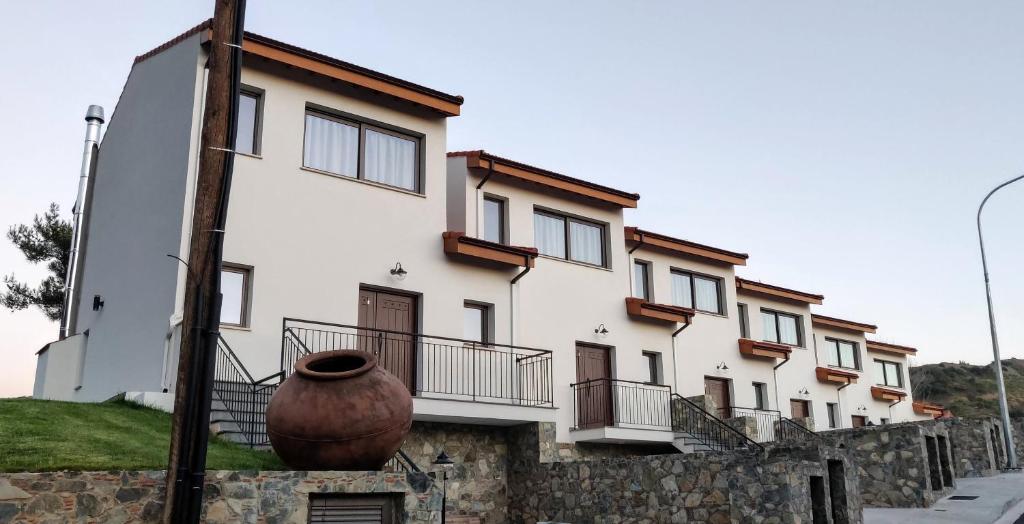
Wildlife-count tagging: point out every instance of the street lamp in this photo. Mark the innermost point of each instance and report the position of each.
(445, 462)
(1004, 412)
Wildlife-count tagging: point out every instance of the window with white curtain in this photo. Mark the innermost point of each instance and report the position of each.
(494, 220)
(569, 238)
(889, 373)
(841, 353)
(699, 292)
(358, 150)
(640, 280)
(781, 328)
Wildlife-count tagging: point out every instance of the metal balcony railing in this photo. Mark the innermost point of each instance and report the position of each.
(766, 421)
(432, 366)
(606, 402)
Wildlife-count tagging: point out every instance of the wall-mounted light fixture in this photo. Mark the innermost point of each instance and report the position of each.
(862, 408)
(398, 272)
(97, 302)
(804, 392)
(722, 367)
(601, 331)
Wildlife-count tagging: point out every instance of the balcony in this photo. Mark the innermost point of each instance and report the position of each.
(474, 250)
(639, 308)
(927, 408)
(616, 411)
(763, 349)
(886, 394)
(765, 425)
(450, 379)
(838, 377)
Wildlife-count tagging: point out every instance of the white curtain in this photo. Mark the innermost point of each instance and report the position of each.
(390, 160)
(706, 291)
(331, 146)
(586, 243)
(640, 280)
(232, 288)
(768, 322)
(681, 295)
(847, 355)
(549, 235)
(788, 330)
(833, 352)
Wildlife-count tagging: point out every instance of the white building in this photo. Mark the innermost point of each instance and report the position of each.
(350, 226)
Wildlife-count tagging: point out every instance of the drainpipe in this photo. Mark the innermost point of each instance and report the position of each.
(490, 171)
(512, 305)
(629, 273)
(775, 381)
(675, 372)
(94, 120)
(890, 408)
(839, 401)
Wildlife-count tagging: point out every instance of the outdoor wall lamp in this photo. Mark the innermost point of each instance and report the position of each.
(804, 392)
(722, 366)
(601, 331)
(97, 303)
(445, 462)
(398, 272)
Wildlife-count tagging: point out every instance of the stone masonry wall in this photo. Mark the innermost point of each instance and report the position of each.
(973, 455)
(231, 496)
(749, 486)
(893, 463)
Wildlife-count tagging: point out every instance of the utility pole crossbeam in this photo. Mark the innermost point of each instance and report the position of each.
(997, 364)
(190, 429)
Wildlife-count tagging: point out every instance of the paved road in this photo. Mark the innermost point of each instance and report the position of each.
(1000, 499)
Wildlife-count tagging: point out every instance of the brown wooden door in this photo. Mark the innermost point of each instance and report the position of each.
(390, 322)
(593, 387)
(799, 409)
(717, 390)
(859, 421)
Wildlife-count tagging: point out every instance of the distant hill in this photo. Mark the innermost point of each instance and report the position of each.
(969, 390)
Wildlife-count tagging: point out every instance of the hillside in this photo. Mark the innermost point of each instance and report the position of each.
(969, 390)
(43, 435)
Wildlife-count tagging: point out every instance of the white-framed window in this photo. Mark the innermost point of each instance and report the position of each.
(695, 291)
(889, 373)
(782, 328)
(842, 353)
(562, 236)
(236, 293)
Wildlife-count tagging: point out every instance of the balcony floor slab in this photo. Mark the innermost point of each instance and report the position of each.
(478, 412)
(623, 435)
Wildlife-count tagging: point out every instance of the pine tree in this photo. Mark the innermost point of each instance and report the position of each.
(46, 240)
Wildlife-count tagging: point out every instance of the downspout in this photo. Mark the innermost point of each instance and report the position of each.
(94, 120)
(490, 171)
(839, 402)
(629, 275)
(775, 381)
(512, 304)
(675, 372)
(890, 408)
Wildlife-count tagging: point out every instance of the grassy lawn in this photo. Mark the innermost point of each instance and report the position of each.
(43, 435)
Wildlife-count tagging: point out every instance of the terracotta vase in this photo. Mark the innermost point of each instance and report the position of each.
(339, 411)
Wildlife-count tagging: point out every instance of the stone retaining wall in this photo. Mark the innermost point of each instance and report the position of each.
(231, 496)
(973, 453)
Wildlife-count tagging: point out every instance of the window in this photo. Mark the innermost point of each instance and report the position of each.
(569, 238)
(235, 287)
(697, 292)
(842, 353)
(250, 108)
(883, 421)
(359, 150)
(833, 414)
(744, 320)
(476, 322)
(641, 280)
(760, 395)
(652, 367)
(494, 220)
(889, 373)
(781, 328)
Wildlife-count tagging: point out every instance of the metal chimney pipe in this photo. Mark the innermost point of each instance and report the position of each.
(93, 121)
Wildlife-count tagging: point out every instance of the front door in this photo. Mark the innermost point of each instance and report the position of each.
(799, 409)
(717, 390)
(593, 387)
(859, 421)
(388, 321)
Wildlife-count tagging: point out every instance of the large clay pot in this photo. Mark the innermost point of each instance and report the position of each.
(339, 411)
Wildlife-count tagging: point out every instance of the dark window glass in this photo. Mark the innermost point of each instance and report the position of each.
(760, 395)
(652, 367)
(475, 322)
(833, 414)
(744, 320)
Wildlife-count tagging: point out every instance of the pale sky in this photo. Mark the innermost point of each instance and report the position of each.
(845, 147)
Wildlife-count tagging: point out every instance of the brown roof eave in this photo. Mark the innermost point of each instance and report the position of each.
(684, 247)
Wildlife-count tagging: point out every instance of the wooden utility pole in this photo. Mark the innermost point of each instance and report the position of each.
(201, 319)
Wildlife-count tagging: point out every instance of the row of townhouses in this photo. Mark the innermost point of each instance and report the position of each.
(501, 293)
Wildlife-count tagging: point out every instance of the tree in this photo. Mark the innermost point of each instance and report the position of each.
(47, 239)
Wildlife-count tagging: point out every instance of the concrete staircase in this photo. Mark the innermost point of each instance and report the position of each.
(238, 413)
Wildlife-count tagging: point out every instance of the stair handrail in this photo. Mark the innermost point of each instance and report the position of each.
(232, 358)
(745, 440)
(800, 428)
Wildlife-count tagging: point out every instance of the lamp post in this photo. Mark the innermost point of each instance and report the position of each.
(445, 462)
(1004, 412)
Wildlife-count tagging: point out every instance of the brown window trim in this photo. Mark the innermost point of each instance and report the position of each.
(693, 290)
(362, 124)
(567, 219)
(246, 272)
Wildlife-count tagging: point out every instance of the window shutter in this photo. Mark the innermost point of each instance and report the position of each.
(350, 510)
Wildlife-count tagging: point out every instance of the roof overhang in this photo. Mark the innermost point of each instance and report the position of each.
(763, 349)
(640, 308)
(771, 291)
(456, 243)
(835, 376)
(886, 394)
(892, 349)
(678, 246)
(548, 179)
(927, 408)
(838, 323)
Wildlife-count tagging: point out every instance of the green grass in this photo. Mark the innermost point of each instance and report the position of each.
(43, 435)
